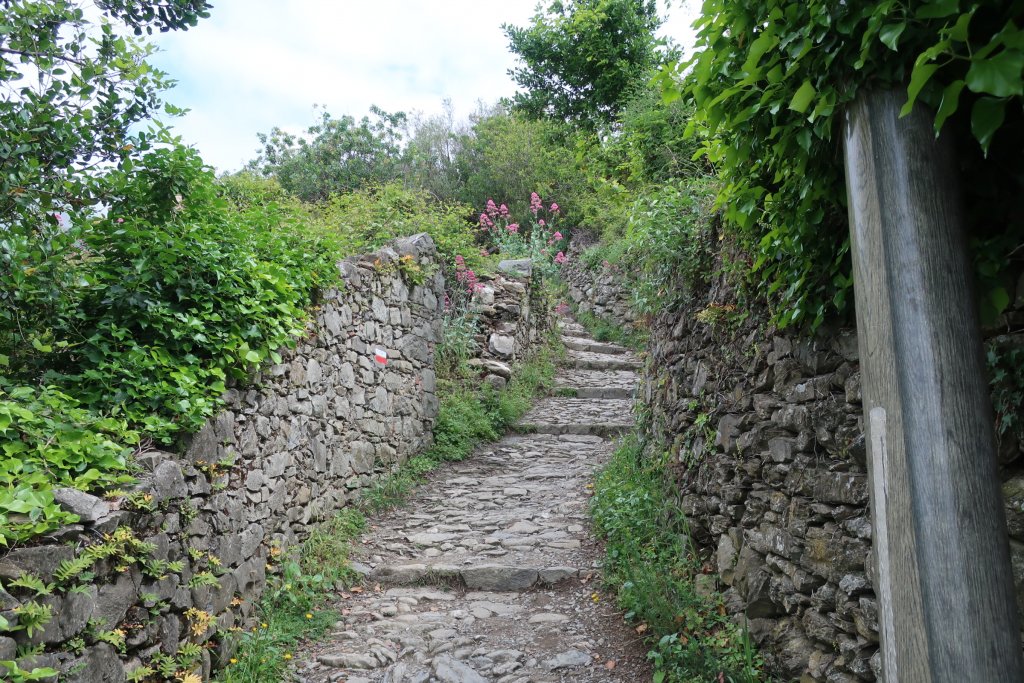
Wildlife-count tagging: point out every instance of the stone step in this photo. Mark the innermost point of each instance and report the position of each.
(480, 577)
(587, 344)
(586, 360)
(599, 384)
(596, 417)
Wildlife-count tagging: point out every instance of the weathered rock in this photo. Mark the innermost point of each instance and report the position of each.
(567, 660)
(491, 366)
(499, 577)
(503, 346)
(89, 508)
(447, 669)
(98, 664)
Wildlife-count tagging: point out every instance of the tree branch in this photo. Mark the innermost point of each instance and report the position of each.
(38, 55)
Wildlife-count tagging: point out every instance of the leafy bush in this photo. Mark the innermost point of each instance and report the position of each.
(164, 311)
(136, 320)
(48, 440)
(769, 83)
(669, 244)
(335, 155)
(364, 220)
(509, 156)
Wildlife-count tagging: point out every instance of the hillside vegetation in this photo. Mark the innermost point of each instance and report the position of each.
(135, 286)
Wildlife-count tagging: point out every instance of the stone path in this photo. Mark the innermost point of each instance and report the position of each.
(490, 573)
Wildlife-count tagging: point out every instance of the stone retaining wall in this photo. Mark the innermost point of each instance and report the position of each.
(765, 435)
(598, 291)
(300, 442)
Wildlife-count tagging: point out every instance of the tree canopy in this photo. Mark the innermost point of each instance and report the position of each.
(70, 93)
(582, 57)
(335, 155)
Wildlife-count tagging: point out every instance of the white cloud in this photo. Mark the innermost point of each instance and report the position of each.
(255, 64)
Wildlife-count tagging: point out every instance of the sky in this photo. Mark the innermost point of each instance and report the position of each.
(256, 64)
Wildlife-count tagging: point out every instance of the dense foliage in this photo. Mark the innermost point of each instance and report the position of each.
(581, 58)
(769, 87)
(335, 155)
(71, 94)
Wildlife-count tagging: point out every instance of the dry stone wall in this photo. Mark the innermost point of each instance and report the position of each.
(765, 435)
(598, 291)
(185, 557)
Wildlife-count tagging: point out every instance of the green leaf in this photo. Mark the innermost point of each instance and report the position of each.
(1000, 76)
(959, 31)
(986, 117)
(890, 34)
(948, 105)
(802, 97)
(918, 78)
(253, 357)
(938, 9)
(999, 298)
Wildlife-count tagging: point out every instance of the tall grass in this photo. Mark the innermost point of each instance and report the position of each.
(651, 565)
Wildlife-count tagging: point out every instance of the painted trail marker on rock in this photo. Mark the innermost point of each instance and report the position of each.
(381, 356)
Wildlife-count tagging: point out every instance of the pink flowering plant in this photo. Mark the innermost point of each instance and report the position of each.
(540, 241)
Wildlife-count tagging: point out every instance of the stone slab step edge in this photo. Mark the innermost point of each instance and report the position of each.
(597, 392)
(484, 577)
(604, 430)
(609, 362)
(583, 344)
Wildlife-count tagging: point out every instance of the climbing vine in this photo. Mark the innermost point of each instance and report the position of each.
(769, 85)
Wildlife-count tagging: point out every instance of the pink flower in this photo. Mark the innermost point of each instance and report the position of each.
(557, 236)
(512, 227)
(460, 262)
(541, 223)
(503, 210)
(492, 210)
(535, 203)
(485, 221)
(554, 208)
(561, 258)
(120, 220)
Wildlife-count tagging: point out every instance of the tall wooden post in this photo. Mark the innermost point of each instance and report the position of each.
(947, 610)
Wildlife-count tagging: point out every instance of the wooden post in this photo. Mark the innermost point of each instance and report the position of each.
(947, 610)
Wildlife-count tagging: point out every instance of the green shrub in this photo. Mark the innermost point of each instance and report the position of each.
(365, 219)
(770, 81)
(48, 440)
(669, 244)
(136, 319)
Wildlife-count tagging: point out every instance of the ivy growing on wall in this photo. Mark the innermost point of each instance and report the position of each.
(769, 85)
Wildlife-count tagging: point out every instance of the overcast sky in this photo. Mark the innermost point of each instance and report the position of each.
(256, 64)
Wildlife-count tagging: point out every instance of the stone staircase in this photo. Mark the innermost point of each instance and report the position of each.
(490, 572)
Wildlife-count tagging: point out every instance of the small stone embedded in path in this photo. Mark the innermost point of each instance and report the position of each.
(490, 573)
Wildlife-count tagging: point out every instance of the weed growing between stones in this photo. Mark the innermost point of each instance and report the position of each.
(651, 565)
(291, 608)
(606, 331)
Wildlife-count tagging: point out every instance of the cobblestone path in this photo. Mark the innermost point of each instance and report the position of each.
(490, 572)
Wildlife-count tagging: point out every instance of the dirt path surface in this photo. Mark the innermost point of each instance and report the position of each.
(490, 573)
